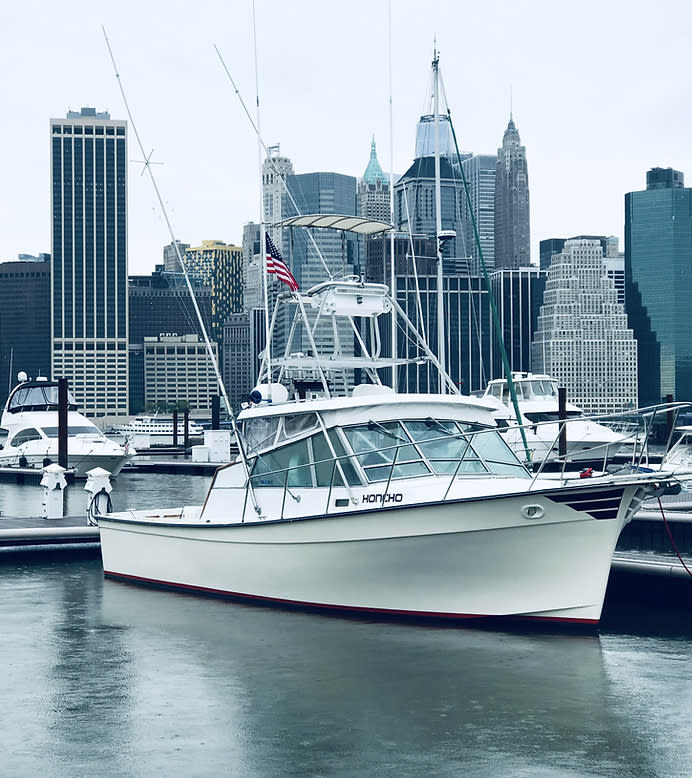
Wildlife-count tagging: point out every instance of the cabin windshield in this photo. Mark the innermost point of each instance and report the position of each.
(375, 452)
(37, 398)
(537, 390)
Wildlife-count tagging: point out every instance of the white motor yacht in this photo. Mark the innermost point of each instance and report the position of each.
(29, 432)
(380, 503)
(537, 399)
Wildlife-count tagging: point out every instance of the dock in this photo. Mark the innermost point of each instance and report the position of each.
(72, 532)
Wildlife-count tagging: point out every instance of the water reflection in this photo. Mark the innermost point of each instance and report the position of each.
(309, 695)
(102, 678)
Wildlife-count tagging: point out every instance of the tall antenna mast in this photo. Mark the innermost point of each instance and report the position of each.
(438, 221)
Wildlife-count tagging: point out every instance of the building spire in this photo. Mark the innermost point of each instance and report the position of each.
(373, 172)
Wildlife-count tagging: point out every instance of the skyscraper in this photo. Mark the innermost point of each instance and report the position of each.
(582, 338)
(658, 283)
(414, 202)
(480, 172)
(24, 339)
(89, 326)
(332, 193)
(373, 190)
(220, 266)
(313, 193)
(275, 168)
(512, 234)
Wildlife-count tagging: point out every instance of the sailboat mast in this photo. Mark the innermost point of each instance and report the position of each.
(438, 223)
(392, 269)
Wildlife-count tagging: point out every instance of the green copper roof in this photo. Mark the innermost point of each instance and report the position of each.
(373, 172)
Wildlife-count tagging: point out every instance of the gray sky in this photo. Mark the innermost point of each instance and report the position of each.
(601, 93)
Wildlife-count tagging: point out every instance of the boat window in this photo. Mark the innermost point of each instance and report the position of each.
(325, 465)
(260, 433)
(73, 431)
(297, 424)
(290, 465)
(24, 436)
(37, 398)
(440, 442)
(538, 416)
(380, 451)
(541, 390)
(496, 454)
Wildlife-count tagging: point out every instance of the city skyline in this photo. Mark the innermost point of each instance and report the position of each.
(597, 104)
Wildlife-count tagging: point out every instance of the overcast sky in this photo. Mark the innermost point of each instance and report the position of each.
(601, 92)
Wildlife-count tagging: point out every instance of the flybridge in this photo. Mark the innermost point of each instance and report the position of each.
(349, 308)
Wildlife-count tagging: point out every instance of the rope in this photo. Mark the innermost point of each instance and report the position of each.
(93, 509)
(670, 535)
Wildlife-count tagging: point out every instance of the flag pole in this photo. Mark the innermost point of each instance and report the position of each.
(262, 236)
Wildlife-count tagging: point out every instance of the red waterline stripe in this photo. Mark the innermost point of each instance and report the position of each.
(343, 608)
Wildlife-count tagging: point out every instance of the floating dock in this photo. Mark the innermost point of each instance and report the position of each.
(38, 533)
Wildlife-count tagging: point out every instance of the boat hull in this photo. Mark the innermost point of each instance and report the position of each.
(80, 463)
(454, 560)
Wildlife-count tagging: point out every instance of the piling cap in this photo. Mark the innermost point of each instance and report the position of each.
(98, 480)
(54, 467)
(54, 477)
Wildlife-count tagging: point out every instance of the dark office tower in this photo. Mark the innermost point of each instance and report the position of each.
(658, 284)
(518, 297)
(24, 320)
(414, 204)
(89, 259)
(373, 191)
(547, 249)
(512, 235)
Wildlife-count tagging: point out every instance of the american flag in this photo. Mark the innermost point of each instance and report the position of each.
(275, 264)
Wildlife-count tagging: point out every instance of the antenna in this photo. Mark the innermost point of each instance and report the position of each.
(147, 167)
(176, 244)
(270, 158)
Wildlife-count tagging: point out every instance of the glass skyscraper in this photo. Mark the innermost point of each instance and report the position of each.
(89, 326)
(658, 284)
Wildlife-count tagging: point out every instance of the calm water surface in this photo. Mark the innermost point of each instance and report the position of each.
(106, 679)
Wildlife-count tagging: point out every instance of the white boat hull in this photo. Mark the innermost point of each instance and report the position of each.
(451, 560)
(80, 462)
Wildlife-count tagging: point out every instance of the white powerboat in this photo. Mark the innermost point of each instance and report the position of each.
(537, 399)
(158, 430)
(29, 432)
(380, 503)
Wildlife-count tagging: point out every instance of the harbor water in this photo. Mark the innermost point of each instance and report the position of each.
(103, 678)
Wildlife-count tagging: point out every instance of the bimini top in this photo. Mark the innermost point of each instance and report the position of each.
(338, 222)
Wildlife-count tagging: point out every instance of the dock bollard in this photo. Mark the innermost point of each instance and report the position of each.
(98, 487)
(53, 483)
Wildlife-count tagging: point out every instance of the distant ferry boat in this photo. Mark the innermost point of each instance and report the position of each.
(160, 430)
